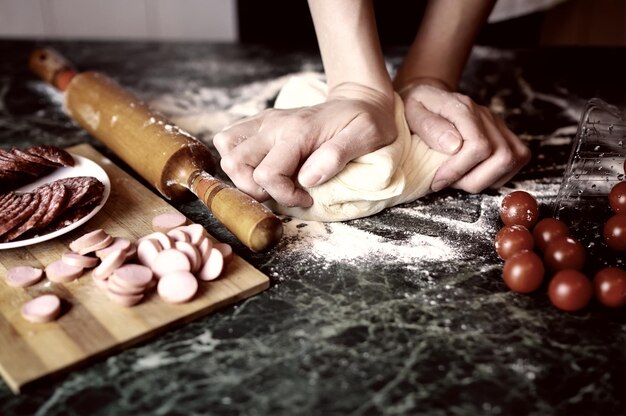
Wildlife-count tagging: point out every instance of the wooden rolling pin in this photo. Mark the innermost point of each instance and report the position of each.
(169, 158)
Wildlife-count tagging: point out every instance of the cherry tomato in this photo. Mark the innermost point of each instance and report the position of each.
(565, 253)
(548, 230)
(617, 198)
(570, 290)
(610, 287)
(519, 208)
(615, 232)
(523, 272)
(511, 239)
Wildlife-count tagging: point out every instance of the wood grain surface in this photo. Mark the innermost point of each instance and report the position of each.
(91, 326)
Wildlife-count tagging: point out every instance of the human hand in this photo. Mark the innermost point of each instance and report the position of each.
(485, 153)
(272, 153)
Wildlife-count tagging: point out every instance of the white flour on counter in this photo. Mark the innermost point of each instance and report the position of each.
(340, 242)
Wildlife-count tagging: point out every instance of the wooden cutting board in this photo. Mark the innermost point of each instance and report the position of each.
(92, 326)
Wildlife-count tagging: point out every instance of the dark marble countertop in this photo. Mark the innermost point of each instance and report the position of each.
(404, 312)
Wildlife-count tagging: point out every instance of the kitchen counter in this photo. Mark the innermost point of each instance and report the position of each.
(404, 312)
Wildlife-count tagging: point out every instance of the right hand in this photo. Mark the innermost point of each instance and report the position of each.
(273, 153)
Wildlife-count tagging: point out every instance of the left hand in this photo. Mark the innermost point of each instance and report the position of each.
(485, 153)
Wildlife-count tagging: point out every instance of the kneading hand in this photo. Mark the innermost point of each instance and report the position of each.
(485, 153)
(272, 153)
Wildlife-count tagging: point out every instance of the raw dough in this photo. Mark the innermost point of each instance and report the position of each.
(398, 173)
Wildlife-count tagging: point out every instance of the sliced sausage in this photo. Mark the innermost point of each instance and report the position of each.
(45, 196)
(119, 243)
(124, 300)
(170, 260)
(147, 251)
(195, 231)
(226, 250)
(204, 248)
(111, 262)
(164, 240)
(132, 276)
(192, 253)
(55, 207)
(213, 266)
(28, 205)
(78, 260)
(113, 286)
(61, 272)
(168, 221)
(178, 235)
(177, 287)
(23, 276)
(54, 154)
(44, 308)
(89, 240)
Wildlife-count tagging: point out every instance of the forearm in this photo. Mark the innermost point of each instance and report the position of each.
(349, 45)
(444, 41)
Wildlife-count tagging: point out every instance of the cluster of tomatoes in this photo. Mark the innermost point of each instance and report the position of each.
(532, 248)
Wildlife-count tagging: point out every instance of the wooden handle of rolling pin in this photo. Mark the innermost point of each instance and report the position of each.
(169, 158)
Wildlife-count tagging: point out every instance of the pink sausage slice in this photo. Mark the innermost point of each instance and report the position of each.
(162, 238)
(170, 260)
(195, 232)
(177, 287)
(179, 235)
(109, 264)
(132, 276)
(204, 248)
(78, 260)
(44, 308)
(226, 250)
(98, 246)
(192, 253)
(168, 221)
(23, 276)
(61, 272)
(120, 243)
(147, 251)
(88, 240)
(213, 266)
(121, 290)
(124, 300)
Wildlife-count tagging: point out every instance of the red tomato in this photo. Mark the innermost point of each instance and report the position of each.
(511, 239)
(548, 230)
(615, 232)
(523, 272)
(610, 287)
(565, 253)
(570, 290)
(617, 198)
(519, 208)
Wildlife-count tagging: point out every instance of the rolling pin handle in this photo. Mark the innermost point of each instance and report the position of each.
(52, 67)
(249, 220)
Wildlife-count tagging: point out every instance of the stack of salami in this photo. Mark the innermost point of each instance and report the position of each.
(48, 207)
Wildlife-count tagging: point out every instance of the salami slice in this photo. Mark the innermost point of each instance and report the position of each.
(25, 209)
(53, 154)
(26, 166)
(56, 205)
(33, 158)
(44, 194)
(9, 208)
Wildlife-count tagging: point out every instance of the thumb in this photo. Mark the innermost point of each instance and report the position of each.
(437, 132)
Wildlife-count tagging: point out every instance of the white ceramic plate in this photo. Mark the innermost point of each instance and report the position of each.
(82, 167)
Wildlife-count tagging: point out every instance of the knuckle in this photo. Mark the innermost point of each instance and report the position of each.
(221, 138)
(263, 176)
(231, 165)
(481, 149)
(334, 156)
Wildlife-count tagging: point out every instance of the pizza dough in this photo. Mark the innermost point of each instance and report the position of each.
(400, 172)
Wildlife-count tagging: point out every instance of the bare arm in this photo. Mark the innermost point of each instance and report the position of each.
(444, 41)
(273, 153)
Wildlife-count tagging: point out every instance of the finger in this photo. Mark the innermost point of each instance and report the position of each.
(475, 149)
(502, 162)
(332, 156)
(437, 132)
(275, 174)
(231, 137)
(239, 165)
(521, 151)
